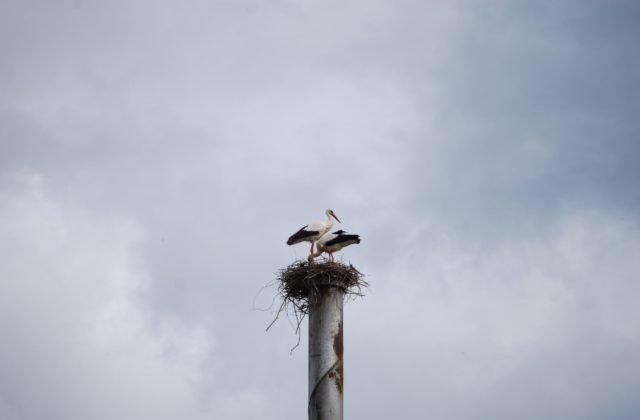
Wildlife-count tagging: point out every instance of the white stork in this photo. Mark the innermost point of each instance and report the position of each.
(334, 242)
(313, 232)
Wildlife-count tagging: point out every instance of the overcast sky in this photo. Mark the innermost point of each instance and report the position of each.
(156, 155)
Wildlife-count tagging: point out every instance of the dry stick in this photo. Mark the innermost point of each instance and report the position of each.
(253, 304)
(277, 315)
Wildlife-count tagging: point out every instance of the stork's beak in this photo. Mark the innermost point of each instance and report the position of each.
(335, 217)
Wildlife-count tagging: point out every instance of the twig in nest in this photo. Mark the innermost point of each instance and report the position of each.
(299, 283)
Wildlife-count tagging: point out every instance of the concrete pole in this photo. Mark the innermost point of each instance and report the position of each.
(325, 354)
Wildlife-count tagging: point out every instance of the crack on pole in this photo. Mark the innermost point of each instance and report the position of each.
(329, 373)
(338, 348)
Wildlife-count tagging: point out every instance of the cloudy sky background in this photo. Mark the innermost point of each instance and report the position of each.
(155, 156)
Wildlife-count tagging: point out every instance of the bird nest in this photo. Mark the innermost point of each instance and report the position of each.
(299, 284)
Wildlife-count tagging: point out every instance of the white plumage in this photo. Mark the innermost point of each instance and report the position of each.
(314, 231)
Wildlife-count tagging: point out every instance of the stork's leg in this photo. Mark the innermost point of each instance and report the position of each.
(311, 254)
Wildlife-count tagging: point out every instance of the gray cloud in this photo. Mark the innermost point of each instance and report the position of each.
(154, 158)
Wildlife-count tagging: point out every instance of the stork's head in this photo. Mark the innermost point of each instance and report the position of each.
(330, 213)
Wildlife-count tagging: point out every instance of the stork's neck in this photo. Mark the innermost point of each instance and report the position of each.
(329, 222)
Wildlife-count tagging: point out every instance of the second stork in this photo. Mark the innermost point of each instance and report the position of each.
(334, 242)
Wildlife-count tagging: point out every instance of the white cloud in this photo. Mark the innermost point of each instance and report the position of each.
(77, 340)
(479, 324)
